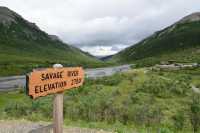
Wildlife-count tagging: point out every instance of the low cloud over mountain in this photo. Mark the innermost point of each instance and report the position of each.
(102, 27)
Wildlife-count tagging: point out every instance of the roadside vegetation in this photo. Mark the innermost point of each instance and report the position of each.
(139, 100)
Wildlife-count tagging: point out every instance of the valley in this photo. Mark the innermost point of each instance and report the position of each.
(152, 86)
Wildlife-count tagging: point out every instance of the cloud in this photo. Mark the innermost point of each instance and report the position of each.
(106, 26)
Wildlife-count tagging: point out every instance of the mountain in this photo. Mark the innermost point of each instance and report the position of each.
(191, 18)
(180, 42)
(24, 46)
(105, 58)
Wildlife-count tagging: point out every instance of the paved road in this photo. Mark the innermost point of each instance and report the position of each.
(14, 82)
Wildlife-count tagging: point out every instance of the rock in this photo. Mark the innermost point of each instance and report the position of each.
(55, 38)
(7, 16)
(191, 18)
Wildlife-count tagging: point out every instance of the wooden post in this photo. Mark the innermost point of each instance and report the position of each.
(56, 80)
(58, 109)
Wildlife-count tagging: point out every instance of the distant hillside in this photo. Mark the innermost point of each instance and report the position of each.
(104, 58)
(24, 46)
(180, 42)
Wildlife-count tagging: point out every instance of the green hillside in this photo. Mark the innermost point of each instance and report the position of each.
(24, 46)
(180, 42)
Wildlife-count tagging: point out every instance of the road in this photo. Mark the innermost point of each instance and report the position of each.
(15, 82)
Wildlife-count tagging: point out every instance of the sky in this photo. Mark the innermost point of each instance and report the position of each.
(102, 27)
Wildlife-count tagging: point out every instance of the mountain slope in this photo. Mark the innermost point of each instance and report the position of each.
(24, 46)
(180, 42)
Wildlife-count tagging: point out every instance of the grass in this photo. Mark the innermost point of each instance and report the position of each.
(139, 100)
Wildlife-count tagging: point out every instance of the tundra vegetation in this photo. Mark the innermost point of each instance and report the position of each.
(140, 100)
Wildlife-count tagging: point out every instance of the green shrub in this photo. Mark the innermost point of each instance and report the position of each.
(148, 115)
(164, 88)
(165, 130)
(17, 109)
(195, 112)
(156, 86)
(110, 80)
(179, 120)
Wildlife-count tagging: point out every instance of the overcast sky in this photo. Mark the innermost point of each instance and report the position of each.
(102, 27)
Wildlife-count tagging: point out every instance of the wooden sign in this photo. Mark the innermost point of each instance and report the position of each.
(53, 80)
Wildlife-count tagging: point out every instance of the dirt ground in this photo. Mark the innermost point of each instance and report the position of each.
(39, 127)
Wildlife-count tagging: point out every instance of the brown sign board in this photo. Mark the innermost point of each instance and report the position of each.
(53, 80)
